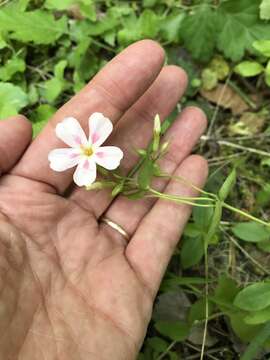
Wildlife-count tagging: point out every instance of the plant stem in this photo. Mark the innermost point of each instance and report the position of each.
(247, 255)
(161, 356)
(206, 298)
(241, 212)
(236, 146)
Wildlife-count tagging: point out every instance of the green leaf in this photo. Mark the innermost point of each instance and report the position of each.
(244, 331)
(54, 86)
(149, 3)
(249, 68)
(267, 74)
(227, 185)
(88, 9)
(41, 116)
(264, 246)
(157, 344)
(175, 330)
(257, 343)
(258, 317)
(265, 10)
(251, 231)
(197, 310)
(199, 32)
(262, 46)
(239, 20)
(145, 174)
(202, 217)
(254, 297)
(191, 230)
(3, 42)
(148, 24)
(192, 251)
(209, 79)
(170, 26)
(225, 293)
(59, 4)
(215, 221)
(37, 26)
(12, 66)
(12, 99)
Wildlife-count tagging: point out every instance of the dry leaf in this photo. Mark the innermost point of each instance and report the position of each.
(226, 97)
(248, 124)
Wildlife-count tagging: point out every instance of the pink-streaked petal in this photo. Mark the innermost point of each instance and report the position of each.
(85, 173)
(109, 157)
(63, 159)
(100, 128)
(70, 132)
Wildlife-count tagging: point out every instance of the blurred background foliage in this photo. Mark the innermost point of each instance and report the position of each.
(50, 49)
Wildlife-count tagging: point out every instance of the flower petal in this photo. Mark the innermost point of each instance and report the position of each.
(100, 128)
(70, 132)
(109, 157)
(85, 173)
(63, 159)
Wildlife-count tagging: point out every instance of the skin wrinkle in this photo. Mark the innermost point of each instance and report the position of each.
(103, 315)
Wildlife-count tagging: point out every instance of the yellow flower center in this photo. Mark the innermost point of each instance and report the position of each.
(87, 150)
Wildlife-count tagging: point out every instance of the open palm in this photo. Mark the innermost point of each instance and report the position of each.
(70, 287)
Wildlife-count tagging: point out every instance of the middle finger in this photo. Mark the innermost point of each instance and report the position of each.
(135, 130)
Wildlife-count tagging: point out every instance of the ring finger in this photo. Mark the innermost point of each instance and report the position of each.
(182, 137)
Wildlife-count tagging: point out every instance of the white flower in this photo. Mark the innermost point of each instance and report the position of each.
(85, 153)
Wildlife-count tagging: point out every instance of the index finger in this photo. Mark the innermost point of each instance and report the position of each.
(112, 91)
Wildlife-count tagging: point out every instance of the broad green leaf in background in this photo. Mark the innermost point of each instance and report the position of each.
(175, 330)
(254, 297)
(170, 26)
(265, 10)
(149, 3)
(3, 42)
(251, 231)
(59, 4)
(11, 67)
(258, 317)
(54, 86)
(22, 4)
(245, 332)
(41, 116)
(226, 289)
(197, 310)
(12, 99)
(267, 74)
(262, 46)
(158, 344)
(192, 251)
(264, 246)
(148, 24)
(37, 26)
(249, 68)
(239, 26)
(199, 32)
(225, 293)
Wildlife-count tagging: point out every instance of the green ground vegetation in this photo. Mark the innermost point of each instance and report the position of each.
(214, 302)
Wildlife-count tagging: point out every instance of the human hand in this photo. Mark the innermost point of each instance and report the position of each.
(71, 288)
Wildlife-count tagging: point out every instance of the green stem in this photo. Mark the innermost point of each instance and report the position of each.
(241, 212)
(206, 297)
(185, 181)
